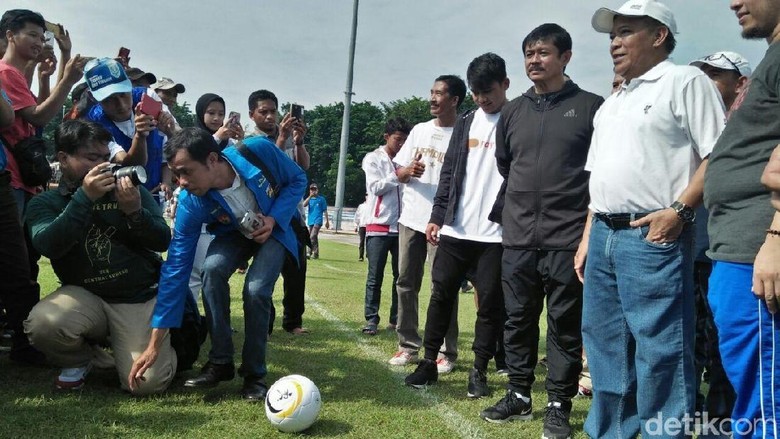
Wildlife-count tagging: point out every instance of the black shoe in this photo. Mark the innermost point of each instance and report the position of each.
(556, 421)
(425, 374)
(211, 375)
(254, 389)
(477, 384)
(508, 408)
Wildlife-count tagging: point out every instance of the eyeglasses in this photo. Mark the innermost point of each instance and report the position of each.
(719, 56)
(313, 189)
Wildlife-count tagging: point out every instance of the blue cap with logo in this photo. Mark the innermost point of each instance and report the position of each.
(104, 77)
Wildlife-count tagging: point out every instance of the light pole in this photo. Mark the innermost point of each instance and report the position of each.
(340, 180)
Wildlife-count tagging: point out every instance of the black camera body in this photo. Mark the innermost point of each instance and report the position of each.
(137, 174)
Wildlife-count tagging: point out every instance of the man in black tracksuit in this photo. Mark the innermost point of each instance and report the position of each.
(542, 144)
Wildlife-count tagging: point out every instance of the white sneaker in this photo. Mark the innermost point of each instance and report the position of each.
(72, 378)
(402, 358)
(444, 365)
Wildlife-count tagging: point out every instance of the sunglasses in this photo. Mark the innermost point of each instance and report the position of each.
(722, 56)
(313, 189)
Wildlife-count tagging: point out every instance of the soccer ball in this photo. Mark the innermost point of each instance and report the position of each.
(293, 403)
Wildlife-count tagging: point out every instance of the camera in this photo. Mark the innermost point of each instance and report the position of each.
(137, 174)
(249, 223)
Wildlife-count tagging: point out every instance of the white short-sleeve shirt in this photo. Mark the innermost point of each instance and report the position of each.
(431, 142)
(650, 137)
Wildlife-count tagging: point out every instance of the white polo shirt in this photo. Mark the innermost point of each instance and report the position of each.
(650, 137)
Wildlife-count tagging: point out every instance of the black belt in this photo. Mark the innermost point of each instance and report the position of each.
(617, 221)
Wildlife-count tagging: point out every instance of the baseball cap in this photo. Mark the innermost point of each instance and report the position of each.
(726, 61)
(167, 84)
(134, 73)
(104, 77)
(603, 18)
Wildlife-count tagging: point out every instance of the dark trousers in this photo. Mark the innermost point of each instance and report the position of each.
(455, 258)
(527, 277)
(18, 292)
(294, 276)
(720, 398)
(362, 245)
(377, 248)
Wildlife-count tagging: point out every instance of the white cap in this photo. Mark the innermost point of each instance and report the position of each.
(603, 18)
(726, 61)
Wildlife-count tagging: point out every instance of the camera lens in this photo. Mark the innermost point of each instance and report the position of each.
(137, 174)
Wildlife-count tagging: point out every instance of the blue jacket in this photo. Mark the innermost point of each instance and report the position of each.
(154, 142)
(194, 211)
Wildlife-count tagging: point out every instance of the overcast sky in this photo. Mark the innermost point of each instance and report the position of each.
(299, 48)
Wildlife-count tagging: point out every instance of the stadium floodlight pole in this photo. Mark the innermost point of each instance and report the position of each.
(340, 181)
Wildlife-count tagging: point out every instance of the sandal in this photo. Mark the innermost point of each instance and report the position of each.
(369, 329)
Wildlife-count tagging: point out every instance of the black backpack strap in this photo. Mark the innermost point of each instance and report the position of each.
(258, 163)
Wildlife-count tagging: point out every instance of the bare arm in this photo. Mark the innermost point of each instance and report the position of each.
(40, 115)
(771, 177)
(582, 251)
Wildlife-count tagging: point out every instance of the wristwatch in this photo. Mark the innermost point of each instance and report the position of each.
(684, 212)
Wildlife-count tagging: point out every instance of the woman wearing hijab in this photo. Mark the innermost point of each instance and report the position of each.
(210, 116)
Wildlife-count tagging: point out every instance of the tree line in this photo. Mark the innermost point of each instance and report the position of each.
(367, 123)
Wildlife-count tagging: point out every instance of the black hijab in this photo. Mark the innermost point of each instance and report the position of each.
(200, 112)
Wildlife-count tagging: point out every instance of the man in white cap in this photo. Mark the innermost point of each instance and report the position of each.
(116, 110)
(729, 71)
(168, 90)
(744, 231)
(647, 159)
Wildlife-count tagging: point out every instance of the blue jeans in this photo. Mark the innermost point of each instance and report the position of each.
(377, 248)
(747, 336)
(225, 254)
(638, 331)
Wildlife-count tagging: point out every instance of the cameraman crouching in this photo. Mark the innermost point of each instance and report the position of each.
(101, 234)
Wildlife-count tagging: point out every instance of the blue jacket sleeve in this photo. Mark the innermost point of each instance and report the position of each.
(290, 178)
(175, 273)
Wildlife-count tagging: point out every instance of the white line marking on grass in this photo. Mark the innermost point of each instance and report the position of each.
(452, 419)
(337, 269)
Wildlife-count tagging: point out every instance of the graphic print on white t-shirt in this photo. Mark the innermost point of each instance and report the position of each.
(431, 142)
(480, 185)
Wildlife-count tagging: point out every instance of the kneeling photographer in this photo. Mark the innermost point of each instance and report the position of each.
(102, 230)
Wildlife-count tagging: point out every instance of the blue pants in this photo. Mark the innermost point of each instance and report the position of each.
(638, 332)
(377, 248)
(748, 348)
(225, 254)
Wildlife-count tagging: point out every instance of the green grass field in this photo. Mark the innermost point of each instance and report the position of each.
(363, 397)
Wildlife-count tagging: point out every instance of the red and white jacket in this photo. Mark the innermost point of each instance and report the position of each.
(384, 193)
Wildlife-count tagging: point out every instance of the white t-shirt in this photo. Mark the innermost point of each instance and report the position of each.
(480, 185)
(650, 137)
(431, 141)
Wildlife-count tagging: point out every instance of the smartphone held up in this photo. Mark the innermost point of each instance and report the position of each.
(296, 111)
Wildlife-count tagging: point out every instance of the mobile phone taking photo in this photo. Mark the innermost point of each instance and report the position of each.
(124, 53)
(150, 106)
(234, 118)
(55, 29)
(296, 111)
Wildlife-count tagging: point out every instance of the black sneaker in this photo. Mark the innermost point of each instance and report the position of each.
(477, 384)
(509, 408)
(556, 421)
(425, 374)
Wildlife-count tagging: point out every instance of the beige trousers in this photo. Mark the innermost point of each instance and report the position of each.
(69, 324)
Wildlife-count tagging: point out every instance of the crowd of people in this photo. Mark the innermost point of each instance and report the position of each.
(647, 224)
